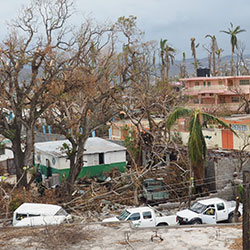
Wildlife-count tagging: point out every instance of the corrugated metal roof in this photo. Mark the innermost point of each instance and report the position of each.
(93, 145)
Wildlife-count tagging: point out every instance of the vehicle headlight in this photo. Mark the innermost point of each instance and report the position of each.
(185, 219)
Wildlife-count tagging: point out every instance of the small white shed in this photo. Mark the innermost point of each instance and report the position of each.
(100, 156)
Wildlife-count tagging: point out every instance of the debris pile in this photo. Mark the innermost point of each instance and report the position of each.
(97, 197)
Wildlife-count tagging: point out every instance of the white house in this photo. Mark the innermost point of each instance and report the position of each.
(100, 156)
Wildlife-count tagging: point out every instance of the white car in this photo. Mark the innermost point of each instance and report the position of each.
(36, 214)
(209, 211)
(144, 217)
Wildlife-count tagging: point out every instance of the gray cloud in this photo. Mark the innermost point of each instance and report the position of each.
(177, 20)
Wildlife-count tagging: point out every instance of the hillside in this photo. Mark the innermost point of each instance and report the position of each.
(225, 64)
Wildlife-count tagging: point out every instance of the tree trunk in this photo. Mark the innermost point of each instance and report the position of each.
(21, 175)
(214, 63)
(199, 178)
(76, 164)
(73, 174)
(232, 65)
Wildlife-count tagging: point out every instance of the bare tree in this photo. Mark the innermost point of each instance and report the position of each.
(194, 46)
(214, 48)
(99, 78)
(242, 67)
(243, 159)
(243, 98)
(32, 59)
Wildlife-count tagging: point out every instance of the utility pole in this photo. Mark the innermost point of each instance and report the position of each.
(246, 210)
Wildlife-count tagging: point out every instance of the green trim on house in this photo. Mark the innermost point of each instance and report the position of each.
(89, 171)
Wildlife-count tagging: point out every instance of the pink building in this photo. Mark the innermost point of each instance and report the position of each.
(216, 94)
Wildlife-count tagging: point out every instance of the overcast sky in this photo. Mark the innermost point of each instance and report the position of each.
(174, 20)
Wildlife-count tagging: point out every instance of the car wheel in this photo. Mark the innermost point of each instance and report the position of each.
(197, 221)
(231, 217)
(162, 225)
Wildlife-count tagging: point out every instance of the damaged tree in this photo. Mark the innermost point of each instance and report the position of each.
(32, 58)
(197, 148)
(95, 84)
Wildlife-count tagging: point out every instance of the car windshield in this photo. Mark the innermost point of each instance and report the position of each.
(124, 215)
(198, 208)
(61, 211)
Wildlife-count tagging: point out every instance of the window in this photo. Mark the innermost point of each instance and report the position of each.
(220, 82)
(244, 82)
(2, 149)
(220, 206)
(222, 99)
(235, 99)
(210, 211)
(196, 100)
(196, 83)
(211, 94)
(61, 211)
(203, 94)
(239, 127)
(147, 215)
(135, 216)
(33, 215)
(38, 157)
(20, 216)
(208, 84)
(115, 131)
(101, 158)
(230, 83)
(204, 84)
(124, 215)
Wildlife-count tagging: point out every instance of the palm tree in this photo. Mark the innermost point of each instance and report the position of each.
(233, 32)
(193, 48)
(162, 54)
(218, 53)
(170, 54)
(167, 54)
(183, 70)
(197, 148)
(214, 48)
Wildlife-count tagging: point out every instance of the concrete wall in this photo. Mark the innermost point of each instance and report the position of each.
(112, 157)
(224, 170)
(216, 138)
(8, 154)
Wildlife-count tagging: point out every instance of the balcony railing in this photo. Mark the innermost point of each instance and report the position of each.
(214, 88)
(215, 107)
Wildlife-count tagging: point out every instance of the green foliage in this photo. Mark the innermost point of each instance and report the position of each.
(130, 142)
(233, 35)
(196, 143)
(10, 133)
(66, 148)
(240, 188)
(14, 204)
(175, 115)
(129, 22)
(177, 138)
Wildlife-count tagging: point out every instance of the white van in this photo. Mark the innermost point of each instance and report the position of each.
(36, 214)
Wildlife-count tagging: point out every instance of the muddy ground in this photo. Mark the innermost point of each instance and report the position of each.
(97, 236)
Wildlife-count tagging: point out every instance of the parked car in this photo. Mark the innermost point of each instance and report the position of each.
(209, 211)
(36, 214)
(144, 217)
(154, 191)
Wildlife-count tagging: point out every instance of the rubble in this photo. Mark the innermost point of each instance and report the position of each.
(94, 198)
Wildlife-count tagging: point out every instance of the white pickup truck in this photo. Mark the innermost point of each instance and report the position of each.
(209, 211)
(36, 214)
(144, 217)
